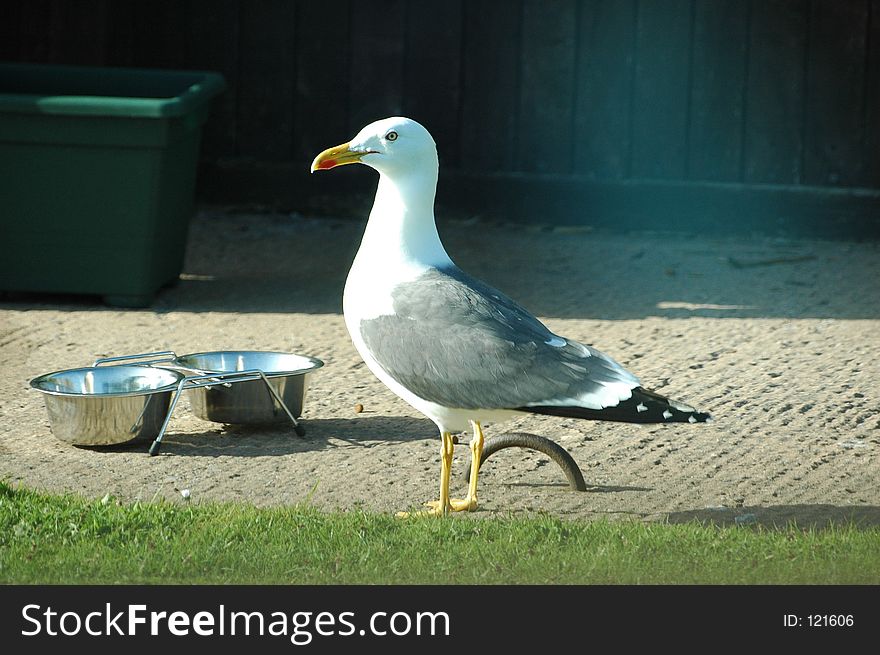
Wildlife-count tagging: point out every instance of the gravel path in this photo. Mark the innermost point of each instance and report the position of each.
(779, 339)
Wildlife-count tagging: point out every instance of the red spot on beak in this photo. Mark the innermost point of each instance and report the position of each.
(327, 163)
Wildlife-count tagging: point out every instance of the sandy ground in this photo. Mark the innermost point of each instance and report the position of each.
(779, 339)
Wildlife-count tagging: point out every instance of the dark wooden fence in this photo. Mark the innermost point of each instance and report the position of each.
(664, 113)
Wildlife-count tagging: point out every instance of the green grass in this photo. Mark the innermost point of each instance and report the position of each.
(66, 539)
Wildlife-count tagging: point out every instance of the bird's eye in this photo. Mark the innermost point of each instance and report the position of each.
(391, 136)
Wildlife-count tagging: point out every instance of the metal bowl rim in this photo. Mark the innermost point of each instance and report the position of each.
(35, 383)
(314, 362)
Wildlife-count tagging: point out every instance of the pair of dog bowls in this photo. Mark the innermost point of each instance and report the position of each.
(133, 398)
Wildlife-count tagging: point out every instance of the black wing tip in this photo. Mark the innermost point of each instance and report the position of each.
(644, 406)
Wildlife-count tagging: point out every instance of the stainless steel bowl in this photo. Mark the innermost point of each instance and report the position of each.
(249, 402)
(106, 406)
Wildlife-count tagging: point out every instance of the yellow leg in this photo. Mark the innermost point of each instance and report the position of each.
(443, 506)
(446, 452)
(470, 503)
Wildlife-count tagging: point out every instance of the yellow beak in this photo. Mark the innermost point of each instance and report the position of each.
(336, 156)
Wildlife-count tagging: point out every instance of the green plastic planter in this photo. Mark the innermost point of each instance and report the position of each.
(97, 176)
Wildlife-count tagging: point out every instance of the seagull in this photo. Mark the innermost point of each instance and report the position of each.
(459, 351)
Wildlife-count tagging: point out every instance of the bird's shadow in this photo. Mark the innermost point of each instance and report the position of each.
(608, 489)
(591, 488)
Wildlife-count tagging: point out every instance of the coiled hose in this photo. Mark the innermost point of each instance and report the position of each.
(534, 442)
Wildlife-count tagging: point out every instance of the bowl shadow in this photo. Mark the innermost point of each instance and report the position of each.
(321, 434)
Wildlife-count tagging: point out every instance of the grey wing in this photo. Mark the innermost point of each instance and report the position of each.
(458, 342)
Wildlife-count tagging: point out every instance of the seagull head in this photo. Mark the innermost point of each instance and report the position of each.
(391, 146)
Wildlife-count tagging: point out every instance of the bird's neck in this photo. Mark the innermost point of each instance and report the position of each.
(401, 226)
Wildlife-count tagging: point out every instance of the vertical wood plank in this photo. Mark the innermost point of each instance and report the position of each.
(377, 41)
(660, 117)
(718, 82)
(213, 44)
(79, 32)
(547, 88)
(835, 93)
(10, 31)
(775, 92)
(160, 38)
(120, 46)
(871, 155)
(603, 88)
(34, 40)
(323, 57)
(268, 73)
(432, 75)
(489, 85)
